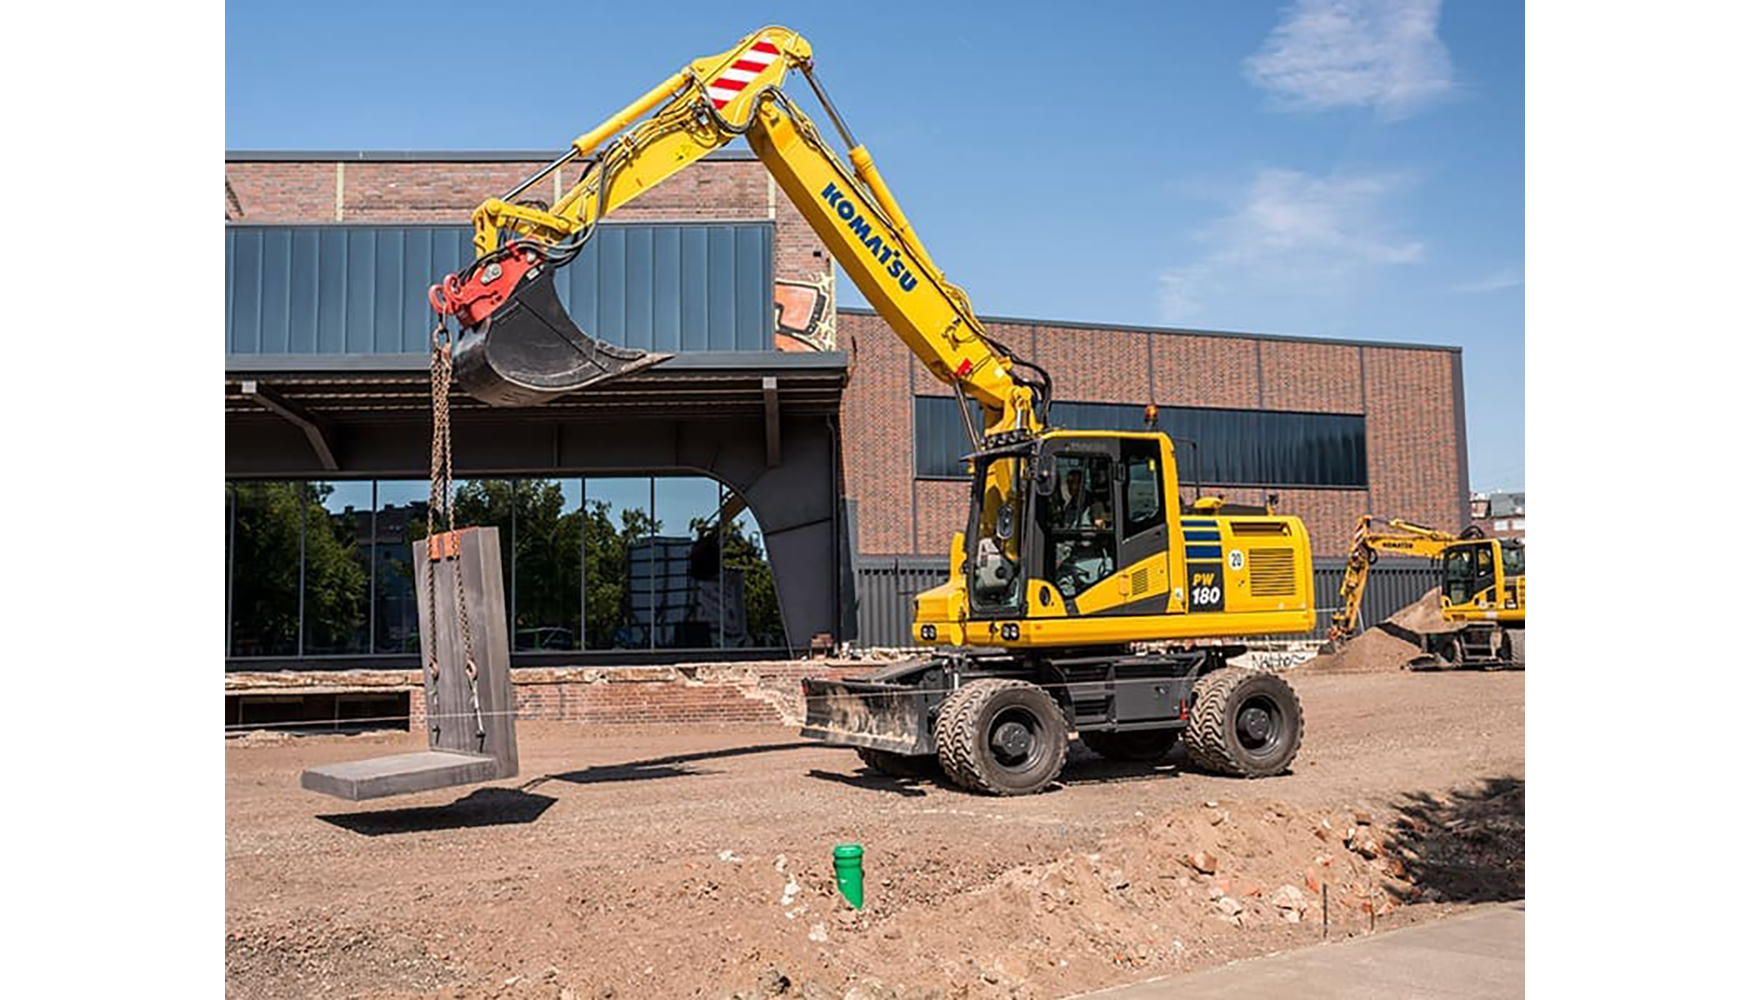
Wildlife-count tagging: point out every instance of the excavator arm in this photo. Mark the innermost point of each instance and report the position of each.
(518, 346)
(1402, 538)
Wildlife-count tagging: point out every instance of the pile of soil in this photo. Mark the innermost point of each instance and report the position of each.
(1424, 617)
(1162, 895)
(1371, 652)
(1378, 649)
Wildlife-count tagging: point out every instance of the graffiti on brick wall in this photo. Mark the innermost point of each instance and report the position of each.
(807, 316)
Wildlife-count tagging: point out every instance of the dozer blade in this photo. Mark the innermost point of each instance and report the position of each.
(861, 713)
(529, 352)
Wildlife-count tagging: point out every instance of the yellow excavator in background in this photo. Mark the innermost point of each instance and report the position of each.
(1482, 592)
(1077, 543)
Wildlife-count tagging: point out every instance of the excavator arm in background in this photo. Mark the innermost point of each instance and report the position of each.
(518, 347)
(1402, 538)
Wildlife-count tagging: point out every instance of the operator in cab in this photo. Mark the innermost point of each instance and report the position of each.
(1076, 507)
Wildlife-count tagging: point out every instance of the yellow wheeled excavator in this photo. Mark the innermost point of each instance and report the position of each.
(1077, 544)
(1482, 591)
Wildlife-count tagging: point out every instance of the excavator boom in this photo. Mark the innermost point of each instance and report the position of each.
(518, 347)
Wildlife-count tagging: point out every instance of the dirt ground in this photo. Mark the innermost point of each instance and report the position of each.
(697, 862)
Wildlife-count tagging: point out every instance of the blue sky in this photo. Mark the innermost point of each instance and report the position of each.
(1340, 168)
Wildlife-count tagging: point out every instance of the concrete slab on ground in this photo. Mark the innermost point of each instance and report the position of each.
(1477, 956)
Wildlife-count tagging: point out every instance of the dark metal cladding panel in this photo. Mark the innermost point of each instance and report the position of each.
(640, 295)
(695, 268)
(720, 289)
(245, 317)
(329, 290)
(361, 252)
(665, 293)
(276, 257)
(1391, 584)
(886, 590)
(611, 281)
(753, 271)
(362, 289)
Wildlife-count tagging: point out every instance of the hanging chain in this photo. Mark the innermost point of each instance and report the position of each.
(440, 491)
(443, 501)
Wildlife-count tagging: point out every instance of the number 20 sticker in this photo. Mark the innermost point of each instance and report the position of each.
(1236, 559)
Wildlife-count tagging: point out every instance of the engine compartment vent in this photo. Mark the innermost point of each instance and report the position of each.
(1272, 572)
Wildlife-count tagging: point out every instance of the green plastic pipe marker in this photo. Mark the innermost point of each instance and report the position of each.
(847, 860)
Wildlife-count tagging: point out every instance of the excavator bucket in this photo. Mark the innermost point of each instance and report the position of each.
(528, 351)
(470, 709)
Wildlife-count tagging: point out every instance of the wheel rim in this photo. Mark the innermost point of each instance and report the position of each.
(1014, 738)
(1259, 725)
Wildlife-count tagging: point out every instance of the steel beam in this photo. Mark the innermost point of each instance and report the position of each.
(774, 454)
(319, 429)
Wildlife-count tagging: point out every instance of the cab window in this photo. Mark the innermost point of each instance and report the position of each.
(1081, 546)
(1460, 570)
(1512, 560)
(1143, 508)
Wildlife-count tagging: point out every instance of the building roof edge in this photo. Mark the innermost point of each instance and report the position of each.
(1191, 332)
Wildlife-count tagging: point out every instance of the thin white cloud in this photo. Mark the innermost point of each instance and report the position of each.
(1494, 281)
(1384, 54)
(1293, 233)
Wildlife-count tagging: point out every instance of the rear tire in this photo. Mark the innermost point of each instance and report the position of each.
(1146, 746)
(897, 765)
(1001, 737)
(1244, 723)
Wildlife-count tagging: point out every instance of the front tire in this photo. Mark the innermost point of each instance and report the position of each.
(1001, 737)
(1244, 723)
(1143, 746)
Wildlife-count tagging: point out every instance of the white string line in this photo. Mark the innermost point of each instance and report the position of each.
(517, 713)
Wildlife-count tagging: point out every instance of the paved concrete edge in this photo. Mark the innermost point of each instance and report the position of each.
(1479, 954)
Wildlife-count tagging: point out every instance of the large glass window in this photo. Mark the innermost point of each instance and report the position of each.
(326, 569)
(683, 565)
(616, 517)
(750, 596)
(399, 522)
(266, 559)
(492, 503)
(1228, 447)
(549, 564)
(337, 568)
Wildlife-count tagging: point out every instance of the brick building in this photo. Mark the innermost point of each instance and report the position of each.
(329, 256)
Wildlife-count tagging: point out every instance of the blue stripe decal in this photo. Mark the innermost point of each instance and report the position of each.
(1203, 536)
(1203, 552)
(1197, 523)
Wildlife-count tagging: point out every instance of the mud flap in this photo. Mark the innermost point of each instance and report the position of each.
(870, 714)
(529, 352)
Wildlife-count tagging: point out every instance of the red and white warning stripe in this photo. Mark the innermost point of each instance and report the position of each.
(733, 80)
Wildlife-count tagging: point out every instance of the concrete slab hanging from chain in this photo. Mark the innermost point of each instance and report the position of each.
(470, 720)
